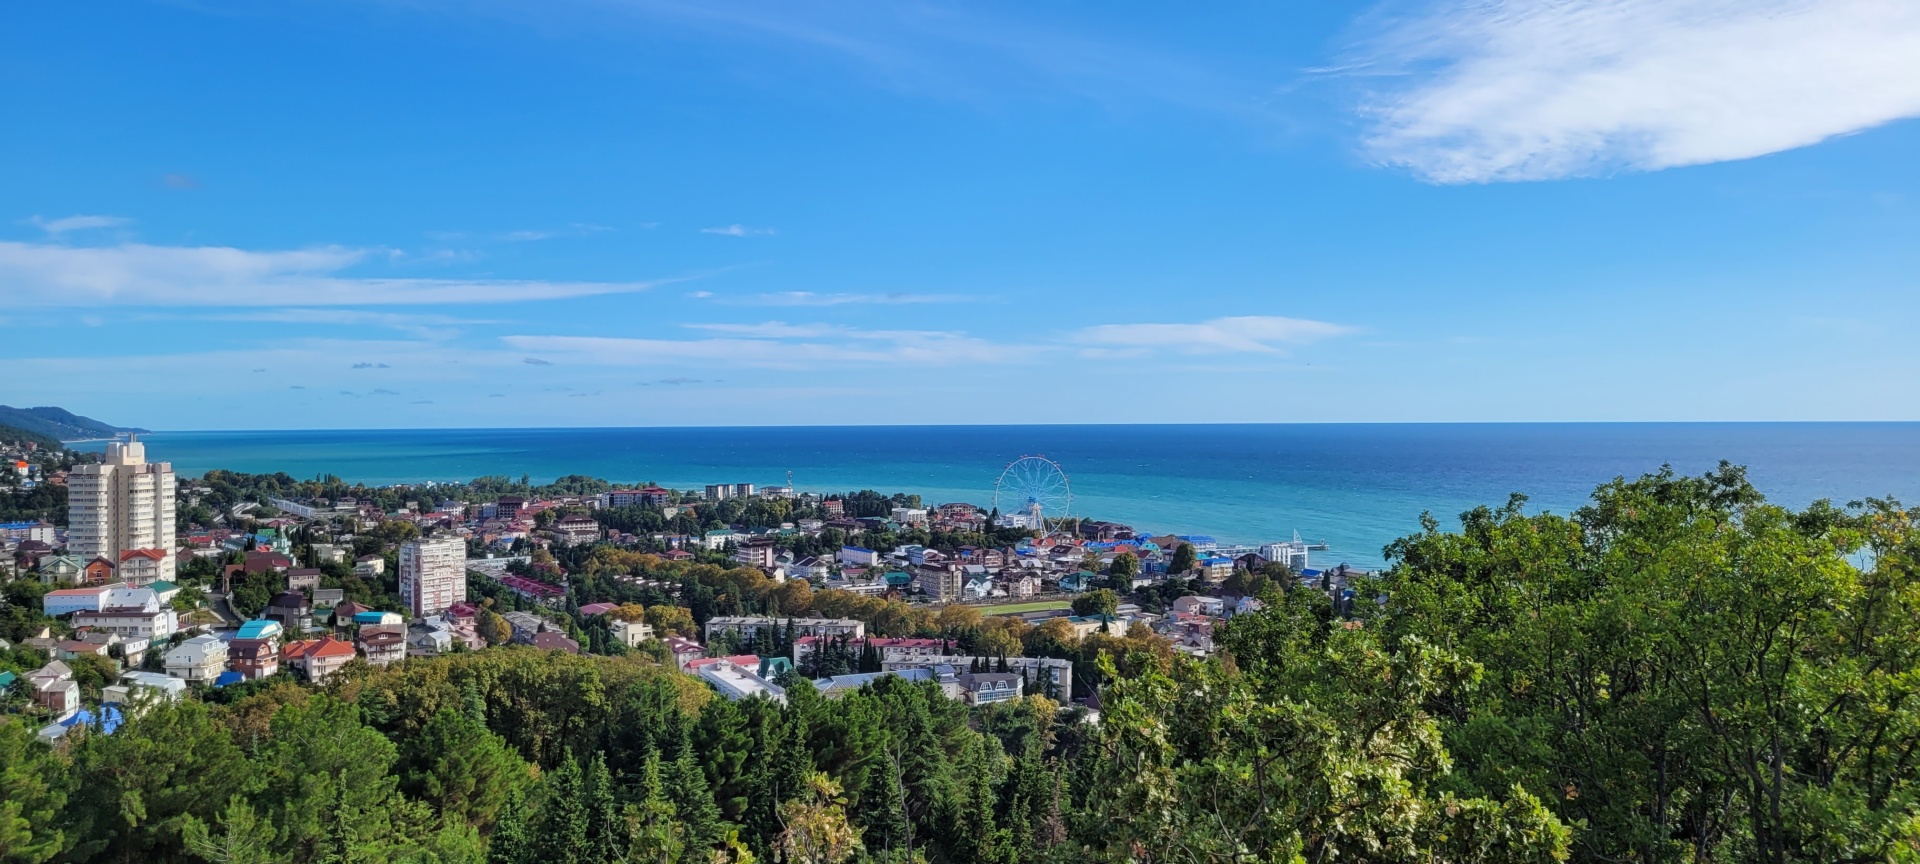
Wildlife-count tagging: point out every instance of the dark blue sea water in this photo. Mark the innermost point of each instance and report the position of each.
(1355, 486)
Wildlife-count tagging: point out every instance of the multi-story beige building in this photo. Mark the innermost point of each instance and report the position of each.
(122, 510)
(433, 574)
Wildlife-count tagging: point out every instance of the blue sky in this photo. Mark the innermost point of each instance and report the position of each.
(428, 213)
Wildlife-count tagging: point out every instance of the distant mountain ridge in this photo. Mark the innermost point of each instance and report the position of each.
(59, 423)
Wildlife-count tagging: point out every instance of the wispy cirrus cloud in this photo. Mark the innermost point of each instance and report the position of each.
(1540, 89)
(133, 274)
(738, 230)
(1252, 334)
(65, 224)
(422, 326)
(784, 345)
(522, 235)
(945, 50)
(779, 345)
(809, 298)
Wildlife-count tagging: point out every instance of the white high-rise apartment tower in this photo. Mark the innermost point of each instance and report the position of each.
(122, 510)
(433, 574)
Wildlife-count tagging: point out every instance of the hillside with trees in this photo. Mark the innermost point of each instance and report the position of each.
(59, 423)
(1678, 672)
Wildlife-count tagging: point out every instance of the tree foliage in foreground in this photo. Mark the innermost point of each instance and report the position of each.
(1679, 672)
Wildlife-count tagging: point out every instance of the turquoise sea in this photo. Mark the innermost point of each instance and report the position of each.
(1357, 487)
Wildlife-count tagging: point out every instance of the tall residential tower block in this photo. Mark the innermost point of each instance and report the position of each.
(433, 574)
(121, 509)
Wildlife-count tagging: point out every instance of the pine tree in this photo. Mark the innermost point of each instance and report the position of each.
(561, 835)
(693, 807)
(654, 834)
(510, 843)
(923, 774)
(606, 825)
(882, 810)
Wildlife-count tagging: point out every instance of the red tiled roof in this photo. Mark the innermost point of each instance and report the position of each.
(749, 661)
(149, 554)
(531, 586)
(550, 641)
(598, 608)
(326, 646)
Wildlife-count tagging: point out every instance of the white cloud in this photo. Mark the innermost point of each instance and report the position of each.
(1538, 89)
(783, 330)
(780, 345)
(137, 274)
(737, 230)
(423, 326)
(60, 226)
(809, 298)
(1259, 334)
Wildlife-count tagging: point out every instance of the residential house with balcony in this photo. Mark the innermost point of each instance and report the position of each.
(254, 659)
(317, 659)
(383, 644)
(198, 660)
(986, 688)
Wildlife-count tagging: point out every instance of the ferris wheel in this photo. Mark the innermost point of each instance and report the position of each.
(1034, 491)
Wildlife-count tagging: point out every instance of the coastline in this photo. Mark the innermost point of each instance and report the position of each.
(1356, 486)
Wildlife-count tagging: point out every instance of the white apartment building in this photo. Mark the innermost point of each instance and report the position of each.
(755, 553)
(122, 505)
(433, 574)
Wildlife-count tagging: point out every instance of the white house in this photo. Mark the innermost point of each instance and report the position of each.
(66, 601)
(631, 633)
(201, 658)
(138, 687)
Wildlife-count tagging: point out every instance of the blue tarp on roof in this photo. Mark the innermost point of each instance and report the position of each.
(109, 719)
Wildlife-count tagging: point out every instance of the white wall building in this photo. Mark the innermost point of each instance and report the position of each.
(630, 633)
(737, 682)
(201, 658)
(857, 556)
(433, 574)
(122, 504)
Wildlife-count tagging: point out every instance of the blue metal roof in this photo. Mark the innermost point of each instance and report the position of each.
(258, 629)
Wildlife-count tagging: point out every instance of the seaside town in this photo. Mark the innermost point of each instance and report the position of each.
(155, 585)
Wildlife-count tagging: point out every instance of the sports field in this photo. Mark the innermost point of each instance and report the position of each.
(1017, 608)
